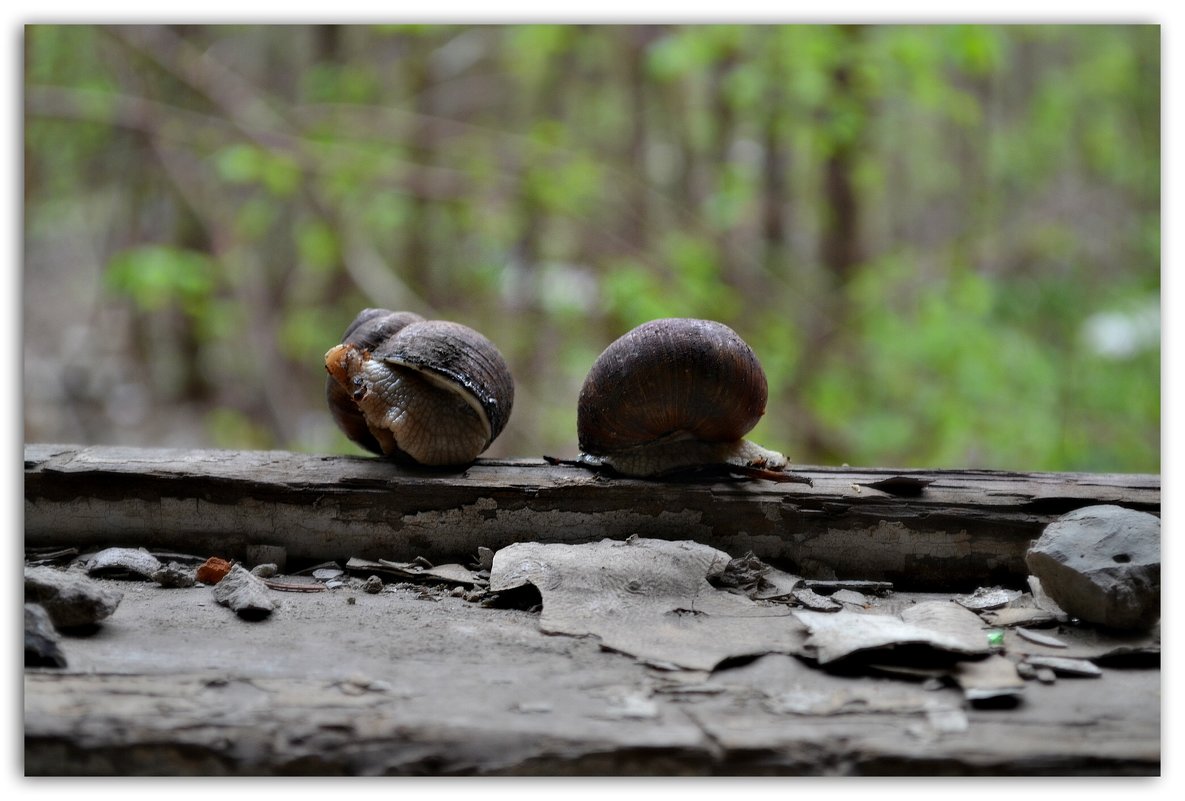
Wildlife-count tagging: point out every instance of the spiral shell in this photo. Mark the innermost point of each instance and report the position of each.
(668, 380)
(432, 391)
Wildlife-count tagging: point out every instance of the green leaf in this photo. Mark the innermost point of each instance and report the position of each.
(239, 164)
(156, 276)
(317, 245)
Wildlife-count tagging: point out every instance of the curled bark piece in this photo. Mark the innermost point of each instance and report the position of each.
(134, 563)
(648, 598)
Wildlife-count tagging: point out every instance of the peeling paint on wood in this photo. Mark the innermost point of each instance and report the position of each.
(967, 529)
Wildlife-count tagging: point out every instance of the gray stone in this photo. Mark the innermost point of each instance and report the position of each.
(246, 594)
(175, 574)
(266, 570)
(1102, 564)
(70, 599)
(132, 563)
(41, 639)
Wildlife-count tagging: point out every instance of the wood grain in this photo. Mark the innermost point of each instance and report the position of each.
(966, 528)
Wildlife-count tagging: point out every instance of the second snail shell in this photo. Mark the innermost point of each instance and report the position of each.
(673, 394)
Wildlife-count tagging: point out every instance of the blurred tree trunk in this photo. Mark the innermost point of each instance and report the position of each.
(841, 252)
(724, 124)
(774, 168)
(327, 50)
(636, 221)
(841, 248)
(417, 245)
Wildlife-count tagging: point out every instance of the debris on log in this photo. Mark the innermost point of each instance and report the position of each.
(245, 594)
(72, 600)
(42, 641)
(1102, 564)
(647, 598)
(125, 563)
(966, 529)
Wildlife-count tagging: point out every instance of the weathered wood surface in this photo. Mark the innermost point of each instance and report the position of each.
(966, 529)
(414, 681)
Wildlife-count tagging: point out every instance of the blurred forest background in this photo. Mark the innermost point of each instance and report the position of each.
(943, 242)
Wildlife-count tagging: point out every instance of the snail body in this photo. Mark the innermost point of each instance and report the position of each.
(428, 391)
(673, 395)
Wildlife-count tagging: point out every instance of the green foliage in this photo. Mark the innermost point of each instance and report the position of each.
(158, 276)
(250, 164)
(555, 185)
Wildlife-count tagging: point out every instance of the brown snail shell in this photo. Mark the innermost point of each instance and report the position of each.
(430, 391)
(673, 394)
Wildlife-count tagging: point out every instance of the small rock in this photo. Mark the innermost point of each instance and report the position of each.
(327, 573)
(213, 570)
(373, 585)
(1045, 675)
(1102, 564)
(988, 598)
(1063, 666)
(71, 600)
(810, 599)
(174, 575)
(133, 563)
(266, 570)
(42, 647)
(247, 595)
(850, 597)
(485, 557)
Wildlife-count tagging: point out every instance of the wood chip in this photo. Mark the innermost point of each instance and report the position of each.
(850, 597)
(988, 598)
(828, 586)
(812, 600)
(993, 681)
(1066, 667)
(940, 629)
(1039, 638)
(416, 571)
(294, 586)
(1018, 616)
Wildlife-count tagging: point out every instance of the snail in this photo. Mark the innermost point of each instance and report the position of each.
(430, 391)
(676, 395)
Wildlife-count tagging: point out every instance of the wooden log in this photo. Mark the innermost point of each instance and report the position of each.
(965, 528)
(403, 683)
